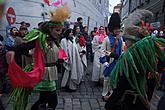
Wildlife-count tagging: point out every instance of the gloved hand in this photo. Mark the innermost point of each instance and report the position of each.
(106, 64)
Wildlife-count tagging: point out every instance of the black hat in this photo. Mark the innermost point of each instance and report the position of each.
(79, 18)
(114, 22)
(1, 38)
(23, 23)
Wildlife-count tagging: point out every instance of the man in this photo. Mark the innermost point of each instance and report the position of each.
(112, 47)
(79, 23)
(23, 29)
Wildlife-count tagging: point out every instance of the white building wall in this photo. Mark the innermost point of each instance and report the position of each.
(31, 10)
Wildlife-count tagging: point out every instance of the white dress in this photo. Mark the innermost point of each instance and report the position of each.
(73, 67)
(98, 68)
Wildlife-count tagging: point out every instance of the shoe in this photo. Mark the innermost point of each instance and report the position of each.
(105, 98)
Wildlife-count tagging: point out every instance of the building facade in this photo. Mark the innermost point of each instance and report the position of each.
(94, 12)
(155, 6)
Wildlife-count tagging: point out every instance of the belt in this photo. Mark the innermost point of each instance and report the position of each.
(51, 64)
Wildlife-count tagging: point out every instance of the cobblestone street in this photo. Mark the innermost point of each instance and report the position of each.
(87, 97)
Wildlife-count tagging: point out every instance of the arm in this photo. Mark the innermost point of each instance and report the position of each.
(23, 48)
(117, 93)
(103, 58)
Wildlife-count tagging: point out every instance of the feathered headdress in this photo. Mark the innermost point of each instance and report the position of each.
(131, 25)
(59, 15)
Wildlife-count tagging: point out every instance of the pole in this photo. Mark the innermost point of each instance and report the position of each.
(88, 21)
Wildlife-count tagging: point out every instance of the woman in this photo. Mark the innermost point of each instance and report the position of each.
(49, 32)
(73, 68)
(96, 46)
(47, 95)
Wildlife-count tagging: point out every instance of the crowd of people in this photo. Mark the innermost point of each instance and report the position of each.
(104, 46)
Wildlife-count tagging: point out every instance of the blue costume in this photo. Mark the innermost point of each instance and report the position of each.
(117, 52)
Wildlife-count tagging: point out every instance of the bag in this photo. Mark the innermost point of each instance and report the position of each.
(109, 69)
(46, 85)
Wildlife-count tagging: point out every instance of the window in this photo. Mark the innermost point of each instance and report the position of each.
(100, 1)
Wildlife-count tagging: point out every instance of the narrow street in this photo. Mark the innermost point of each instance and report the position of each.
(87, 97)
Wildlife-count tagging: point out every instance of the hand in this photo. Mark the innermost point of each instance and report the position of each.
(107, 53)
(106, 64)
(31, 52)
(10, 56)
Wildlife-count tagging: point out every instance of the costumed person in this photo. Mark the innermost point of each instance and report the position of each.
(112, 49)
(76, 33)
(82, 51)
(80, 42)
(43, 74)
(73, 68)
(134, 68)
(96, 46)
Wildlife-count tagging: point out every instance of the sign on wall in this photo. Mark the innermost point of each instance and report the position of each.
(11, 16)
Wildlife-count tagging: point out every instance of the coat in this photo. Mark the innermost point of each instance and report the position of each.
(73, 67)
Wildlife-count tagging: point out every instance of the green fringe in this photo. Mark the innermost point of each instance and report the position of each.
(20, 96)
(139, 59)
(34, 34)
